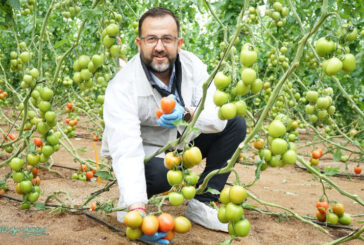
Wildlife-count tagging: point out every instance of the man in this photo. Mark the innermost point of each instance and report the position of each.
(133, 132)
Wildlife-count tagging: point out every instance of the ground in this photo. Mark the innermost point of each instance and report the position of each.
(290, 187)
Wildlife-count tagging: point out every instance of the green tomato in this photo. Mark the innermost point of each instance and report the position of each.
(345, 219)
(26, 186)
(332, 218)
(221, 214)
(228, 110)
(309, 109)
(225, 195)
(33, 196)
(191, 178)
(265, 154)
(257, 86)
(349, 63)
(276, 129)
(279, 146)
(312, 96)
(242, 228)
(242, 88)
(334, 65)
(220, 98)
(289, 157)
(32, 159)
(47, 150)
(234, 212)
(188, 192)
(323, 102)
(174, 177)
(50, 116)
(237, 194)
(82, 62)
(97, 60)
(221, 81)
(240, 108)
(248, 76)
(248, 55)
(16, 164)
(18, 177)
(46, 93)
(175, 198)
(53, 139)
(112, 30)
(44, 106)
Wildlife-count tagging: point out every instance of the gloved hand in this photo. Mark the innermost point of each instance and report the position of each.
(166, 120)
(155, 238)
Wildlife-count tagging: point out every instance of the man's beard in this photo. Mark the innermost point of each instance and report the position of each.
(158, 68)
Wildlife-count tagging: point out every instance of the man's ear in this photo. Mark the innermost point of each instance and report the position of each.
(180, 42)
(137, 41)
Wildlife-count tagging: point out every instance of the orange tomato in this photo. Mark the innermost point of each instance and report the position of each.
(159, 112)
(259, 144)
(316, 154)
(69, 106)
(67, 120)
(95, 138)
(12, 137)
(166, 222)
(89, 175)
(2, 191)
(93, 206)
(167, 105)
(150, 225)
(83, 167)
(169, 236)
(73, 122)
(170, 160)
(320, 216)
(36, 181)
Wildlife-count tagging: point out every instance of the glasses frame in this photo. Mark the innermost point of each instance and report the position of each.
(161, 39)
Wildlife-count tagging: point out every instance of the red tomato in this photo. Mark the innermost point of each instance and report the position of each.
(36, 181)
(322, 206)
(67, 120)
(169, 236)
(35, 171)
(357, 170)
(89, 175)
(316, 154)
(69, 106)
(93, 206)
(37, 142)
(83, 167)
(167, 104)
(166, 222)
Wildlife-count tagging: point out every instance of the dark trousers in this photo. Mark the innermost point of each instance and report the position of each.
(217, 148)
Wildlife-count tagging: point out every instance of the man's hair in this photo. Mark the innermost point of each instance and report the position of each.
(157, 12)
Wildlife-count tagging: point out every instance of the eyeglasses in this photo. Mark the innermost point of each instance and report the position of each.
(153, 40)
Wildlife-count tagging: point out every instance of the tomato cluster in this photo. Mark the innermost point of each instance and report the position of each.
(27, 180)
(70, 9)
(178, 174)
(227, 94)
(109, 37)
(71, 120)
(84, 69)
(150, 224)
(17, 62)
(84, 173)
(27, 7)
(333, 215)
(3, 94)
(315, 156)
(279, 151)
(252, 17)
(320, 106)
(232, 212)
(278, 13)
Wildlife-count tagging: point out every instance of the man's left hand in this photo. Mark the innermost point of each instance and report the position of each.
(166, 120)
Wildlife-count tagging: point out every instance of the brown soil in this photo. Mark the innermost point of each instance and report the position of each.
(289, 186)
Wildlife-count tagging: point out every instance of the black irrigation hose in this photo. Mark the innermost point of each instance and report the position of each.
(336, 175)
(45, 204)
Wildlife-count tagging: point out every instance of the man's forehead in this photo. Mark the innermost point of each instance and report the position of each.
(159, 24)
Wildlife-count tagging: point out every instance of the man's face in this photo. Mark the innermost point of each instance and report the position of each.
(158, 56)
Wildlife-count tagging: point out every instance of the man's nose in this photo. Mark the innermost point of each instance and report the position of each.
(159, 45)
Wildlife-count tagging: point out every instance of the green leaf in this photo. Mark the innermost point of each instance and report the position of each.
(337, 155)
(196, 132)
(83, 149)
(104, 175)
(180, 123)
(60, 43)
(332, 171)
(227, 241)
(213, 191)
(39, 206)
(15, 4)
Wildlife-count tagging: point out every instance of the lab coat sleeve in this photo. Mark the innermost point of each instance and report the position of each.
(122, 129)
(208, 121)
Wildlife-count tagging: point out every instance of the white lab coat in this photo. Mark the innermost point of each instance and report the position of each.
(131, 130)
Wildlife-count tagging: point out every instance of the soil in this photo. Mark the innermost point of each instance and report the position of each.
(289, 186)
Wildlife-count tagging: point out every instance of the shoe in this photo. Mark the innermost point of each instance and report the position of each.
(204, 215)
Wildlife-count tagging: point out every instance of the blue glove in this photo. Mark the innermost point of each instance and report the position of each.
(155, 238)
(166, 120)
